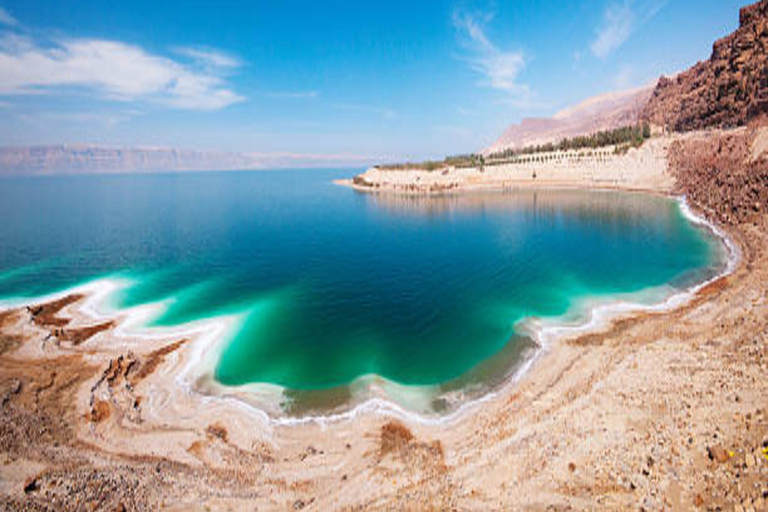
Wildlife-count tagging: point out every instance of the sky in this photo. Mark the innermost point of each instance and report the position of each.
(386, 80)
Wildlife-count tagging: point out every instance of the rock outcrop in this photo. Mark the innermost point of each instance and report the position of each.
(725, 91)
(725, 174)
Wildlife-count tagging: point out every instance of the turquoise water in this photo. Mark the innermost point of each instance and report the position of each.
(335, 284)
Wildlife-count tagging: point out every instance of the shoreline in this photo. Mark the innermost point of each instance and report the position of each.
(642, 169)
(208, 337)
(487, 189)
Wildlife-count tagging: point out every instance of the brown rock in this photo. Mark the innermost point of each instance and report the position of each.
(394, 436)
(718, 174)
(718, 453)
(100, 411)
(31, 485)
(219, 431)
(727, 90)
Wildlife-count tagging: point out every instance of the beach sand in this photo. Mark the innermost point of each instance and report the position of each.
(642, 169)
(664, 410)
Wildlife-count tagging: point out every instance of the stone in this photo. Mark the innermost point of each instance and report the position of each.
(718, 453)
(31, 484)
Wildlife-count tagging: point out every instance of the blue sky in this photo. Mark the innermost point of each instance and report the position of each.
(394, 79)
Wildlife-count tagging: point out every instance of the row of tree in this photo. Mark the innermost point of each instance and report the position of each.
(633, 135)
(623, 138)
(469, 160)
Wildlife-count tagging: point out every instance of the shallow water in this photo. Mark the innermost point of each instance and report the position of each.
(334, 284)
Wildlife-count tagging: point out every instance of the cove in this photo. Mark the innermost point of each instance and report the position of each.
(334, 286)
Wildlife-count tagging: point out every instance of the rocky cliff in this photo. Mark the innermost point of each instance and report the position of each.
(724, 173)
(725, 91)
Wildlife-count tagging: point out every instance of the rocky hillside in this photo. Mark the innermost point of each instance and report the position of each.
(599, 113)
(725, 174)
(725, 91)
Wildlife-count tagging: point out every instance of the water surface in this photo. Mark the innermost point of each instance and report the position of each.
(333, 285)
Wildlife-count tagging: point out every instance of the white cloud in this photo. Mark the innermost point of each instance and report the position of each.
(7, 19)
(500, 69)
(620, 20)
(211, 58)
(105, 119)
(115, 70)
(293, 94)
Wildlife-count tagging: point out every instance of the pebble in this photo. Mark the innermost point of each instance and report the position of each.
(718, 453)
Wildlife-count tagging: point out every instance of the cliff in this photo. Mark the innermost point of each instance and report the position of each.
(725, 91)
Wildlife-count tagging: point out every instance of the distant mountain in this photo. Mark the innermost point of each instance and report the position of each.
(90, 159)
(725, 91)
(604, 112)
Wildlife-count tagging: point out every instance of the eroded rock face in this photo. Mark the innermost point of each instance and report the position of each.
(725, 91)
(723, 173)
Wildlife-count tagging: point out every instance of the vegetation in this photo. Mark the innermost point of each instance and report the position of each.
(622, 139)
(458, 161)
(629, 136)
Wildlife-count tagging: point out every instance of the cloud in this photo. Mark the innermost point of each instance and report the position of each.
(620, 20)
(115, 70)
(617, 26)
(7, 19)
(500, 69)
(211, 58)
(105, 119)
(293, 94)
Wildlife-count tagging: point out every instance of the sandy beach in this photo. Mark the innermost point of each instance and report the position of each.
(659, 410)
(639, 169)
